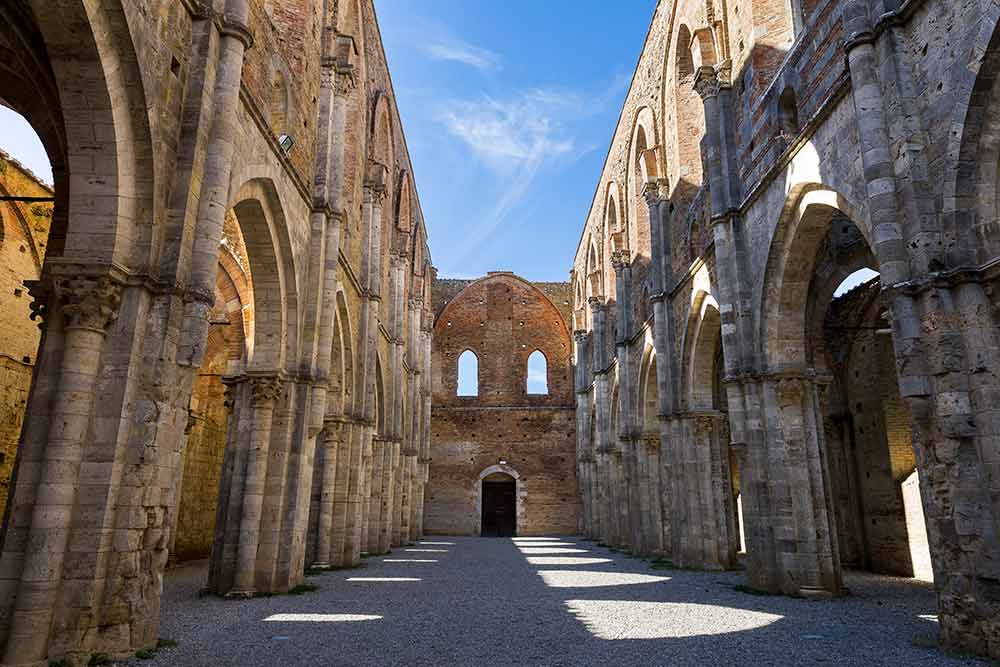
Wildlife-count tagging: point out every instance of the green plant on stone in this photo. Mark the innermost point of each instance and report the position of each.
(99, 659)
(302, 588)
(165, 643)
(146, 653)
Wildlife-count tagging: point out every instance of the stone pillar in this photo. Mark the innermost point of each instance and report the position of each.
(584, 445)
(667, 373)
(265, 390)
(945, 339)
(87, 306)
(350, 484)
(371, 447)
(602, 417)
(332, 451)
(375, 514)
(390, 497)
(745, 393)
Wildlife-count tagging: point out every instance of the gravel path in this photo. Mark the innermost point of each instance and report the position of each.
(558, 601)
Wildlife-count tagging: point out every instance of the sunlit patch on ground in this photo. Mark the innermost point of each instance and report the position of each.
(586, 579)
(565, 560)
(321, 618)
(551, 550)
(632, 619)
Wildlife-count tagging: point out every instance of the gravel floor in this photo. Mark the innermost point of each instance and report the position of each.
(558, 601)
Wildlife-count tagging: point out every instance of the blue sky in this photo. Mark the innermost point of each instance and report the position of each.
(508, 109)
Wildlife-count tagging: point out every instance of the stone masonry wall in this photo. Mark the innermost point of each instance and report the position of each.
(502, 319)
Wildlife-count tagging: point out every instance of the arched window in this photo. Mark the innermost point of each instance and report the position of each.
(538, 373)
(788, 112)
(468, 374)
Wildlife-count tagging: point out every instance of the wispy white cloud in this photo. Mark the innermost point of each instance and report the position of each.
(461, 52)
(509, 133)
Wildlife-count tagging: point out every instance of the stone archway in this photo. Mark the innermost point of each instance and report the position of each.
(520, 496)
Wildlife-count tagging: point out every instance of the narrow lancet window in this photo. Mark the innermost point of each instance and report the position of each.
(468, 374)
(538, 374)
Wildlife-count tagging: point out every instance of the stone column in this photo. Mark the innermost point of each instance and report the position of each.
(944, 334)
(373, 541)
(350, 485)
(602, 416)
(743, 389)
(667, 373)
(87, 306)
(391, 496)
(332, 451)
(584, 446)
(265, 390)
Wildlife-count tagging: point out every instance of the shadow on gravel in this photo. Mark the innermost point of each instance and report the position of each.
(500, 602)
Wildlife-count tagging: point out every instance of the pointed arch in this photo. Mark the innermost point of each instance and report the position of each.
(802, 228)
(261, 220)
(649, 393)
(691, 51)
(701, 344)
(381, 132)
(403, 206)
(643, 167)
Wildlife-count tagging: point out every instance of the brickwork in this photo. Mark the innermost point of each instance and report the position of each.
(502, 319)
(24, 232)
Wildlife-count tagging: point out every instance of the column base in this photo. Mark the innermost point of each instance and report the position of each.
(240, 595)
(813, 593)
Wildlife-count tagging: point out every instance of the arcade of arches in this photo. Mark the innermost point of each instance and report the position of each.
(778, 349)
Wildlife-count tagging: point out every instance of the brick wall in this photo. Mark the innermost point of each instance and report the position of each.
(502, 319)
(24, 231)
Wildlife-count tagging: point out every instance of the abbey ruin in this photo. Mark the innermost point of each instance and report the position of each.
(226, 357)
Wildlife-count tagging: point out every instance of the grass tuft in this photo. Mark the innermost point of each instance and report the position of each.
(741, 588)
(98, 659)
(302, 588)
(662, 564)
(165, 643)
(146, 653)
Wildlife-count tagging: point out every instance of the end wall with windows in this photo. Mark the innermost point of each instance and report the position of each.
(502, 320)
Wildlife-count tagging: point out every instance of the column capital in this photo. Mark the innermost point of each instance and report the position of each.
(229, 26)
(39, 293)
(709, 81)
(266, 388)
(581, 335)
(344, 80)
(596, 303)
(620, 260)
(88, 302)
(651, 192)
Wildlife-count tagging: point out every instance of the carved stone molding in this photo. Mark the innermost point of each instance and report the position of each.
(581, 335)
(39, 293)
(709, 81)
(651, 192)
(264, 388)
(620, 259)
(344, 80)
(88, 302)
(596, 303)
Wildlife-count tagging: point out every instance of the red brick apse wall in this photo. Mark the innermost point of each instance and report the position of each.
(502, 319)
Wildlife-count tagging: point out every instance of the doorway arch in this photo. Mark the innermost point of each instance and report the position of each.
(499, 475)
